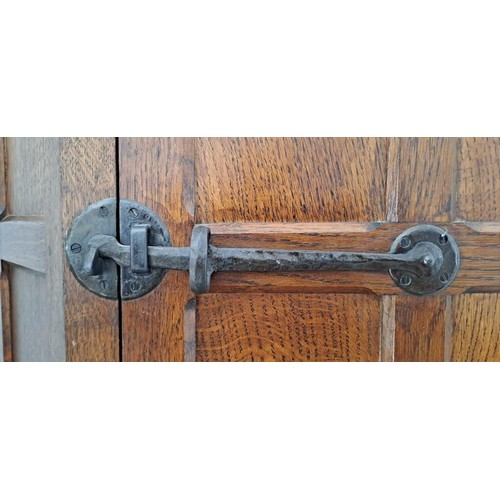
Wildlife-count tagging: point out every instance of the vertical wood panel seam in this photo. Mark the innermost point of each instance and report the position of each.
(388, 302)
(448, 328)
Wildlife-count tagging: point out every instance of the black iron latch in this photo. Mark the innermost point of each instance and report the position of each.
(423, 260)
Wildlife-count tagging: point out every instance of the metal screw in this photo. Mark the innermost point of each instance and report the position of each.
(76, 248)
(443, 278)
(405, 242)
(104, 285)
(104, 211)
(146, 217)
(134, 286)
(405, 280)
(134, 212)
(443, 239)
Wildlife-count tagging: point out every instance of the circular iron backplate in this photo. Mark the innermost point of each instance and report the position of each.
(414, 284)
(101, 218)
(135, 285)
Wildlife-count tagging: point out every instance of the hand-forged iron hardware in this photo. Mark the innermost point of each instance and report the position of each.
(423, 260)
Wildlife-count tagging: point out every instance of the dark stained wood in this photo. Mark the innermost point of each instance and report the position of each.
(479, 247)
(287, 327)
(160, 174)
(290, 179)
(479, 179)
(420, 326)
(476, 328)
(88, 174)
(5, 329)
(426, 169)
(5, 319)
(3, 174)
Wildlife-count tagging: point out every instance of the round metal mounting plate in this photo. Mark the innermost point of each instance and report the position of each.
(135, 285)
(100, 218)
(414, 284)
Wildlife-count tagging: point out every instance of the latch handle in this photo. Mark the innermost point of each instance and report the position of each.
(423, 260)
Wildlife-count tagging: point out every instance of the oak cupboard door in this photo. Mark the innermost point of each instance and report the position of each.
(317, 193)
(352, 194)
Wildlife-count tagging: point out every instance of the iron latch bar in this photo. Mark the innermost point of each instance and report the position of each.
(423, 260)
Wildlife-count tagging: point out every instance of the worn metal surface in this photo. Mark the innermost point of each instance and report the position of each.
(443, 274)
(100, 276)
(136, 284)
(423, 260)
(95, 228)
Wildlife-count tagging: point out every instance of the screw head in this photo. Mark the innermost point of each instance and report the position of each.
(133, 212)
(405, 280)
(76, 248)
(104, 285)
(103, 211)
(405, 242)
(134, 286)
(444, 277)
(443, 239)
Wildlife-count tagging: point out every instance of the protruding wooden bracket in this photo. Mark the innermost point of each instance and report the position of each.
(23, 242)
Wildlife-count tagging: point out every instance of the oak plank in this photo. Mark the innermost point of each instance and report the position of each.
(290, 179)
(420, 325)
(479, 179)
(387, 327)
(287, 327)
(426, 171)
(159, 173)
(88, 174)
(476, 328)
(5, 315)
(3, 174)
(37, 304)
(5, 329)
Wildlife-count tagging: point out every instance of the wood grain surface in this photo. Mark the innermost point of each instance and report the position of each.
(287, 327)
(159, 173)
(420, 328)
(425, 171)
(37, 304)
(5, 327)
(290, 179)
(479, 179)
(476, 328)
(88, 174)
(3, 174)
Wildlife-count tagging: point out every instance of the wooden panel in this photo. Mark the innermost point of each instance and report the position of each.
(290, 180)
(476, 328)
(5, 331)
(387, 327)
(425, 169)
(88, 174)
(420, 327)
(479, 247)
(479, 179)
(160, 174)
(5, 322)
(287, 327)
(3, 174)
(23, 242)
(37, 311)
